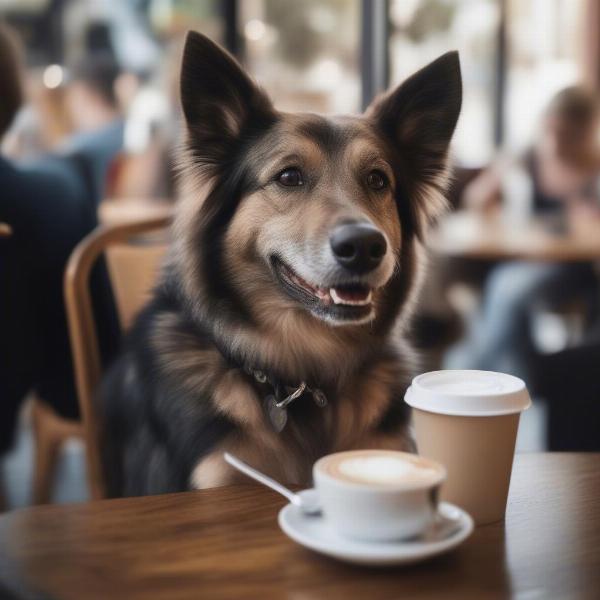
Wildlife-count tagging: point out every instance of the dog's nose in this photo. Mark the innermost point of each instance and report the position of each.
(358, 247)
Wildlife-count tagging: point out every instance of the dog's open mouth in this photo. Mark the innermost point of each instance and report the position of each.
(343, 302)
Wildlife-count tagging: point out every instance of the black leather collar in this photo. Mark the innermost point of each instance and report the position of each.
(277, 395)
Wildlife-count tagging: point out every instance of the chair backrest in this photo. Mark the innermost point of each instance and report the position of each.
(132, 276)
(132, 269)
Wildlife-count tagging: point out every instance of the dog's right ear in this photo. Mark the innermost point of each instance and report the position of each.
(219, 99)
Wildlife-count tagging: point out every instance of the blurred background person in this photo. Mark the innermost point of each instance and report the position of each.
(94, 110)
(562, 169)
(563, 163)
(75, 112)
(49, 211)
(43, 122)
(48, 215)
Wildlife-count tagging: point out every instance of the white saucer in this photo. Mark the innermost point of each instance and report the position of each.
(316, 533)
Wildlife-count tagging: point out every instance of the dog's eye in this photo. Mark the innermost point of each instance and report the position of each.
(377, 180)
(290, 177)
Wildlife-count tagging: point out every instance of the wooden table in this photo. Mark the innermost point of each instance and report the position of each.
(225, 543)
(471, 235)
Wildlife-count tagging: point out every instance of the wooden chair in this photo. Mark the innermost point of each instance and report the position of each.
(50, 432)
(133, 258)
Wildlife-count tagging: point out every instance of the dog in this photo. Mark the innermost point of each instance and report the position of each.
(278, 328)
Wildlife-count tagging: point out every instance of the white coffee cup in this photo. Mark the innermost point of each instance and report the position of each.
(378, 495)
(468, 421)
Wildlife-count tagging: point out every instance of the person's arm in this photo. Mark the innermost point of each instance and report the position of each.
(584, 208)
(484, 192)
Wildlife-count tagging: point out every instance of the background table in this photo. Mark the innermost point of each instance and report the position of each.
(225, 543)
(466, 234)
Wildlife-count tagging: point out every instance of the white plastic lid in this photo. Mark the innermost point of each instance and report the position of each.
(468, 393)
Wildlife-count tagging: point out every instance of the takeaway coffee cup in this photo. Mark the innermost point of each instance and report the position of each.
(468, 421)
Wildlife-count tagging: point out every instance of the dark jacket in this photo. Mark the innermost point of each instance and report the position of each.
(49, 211)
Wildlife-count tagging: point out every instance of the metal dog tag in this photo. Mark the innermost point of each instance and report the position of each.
(319, 398)
(277, 415)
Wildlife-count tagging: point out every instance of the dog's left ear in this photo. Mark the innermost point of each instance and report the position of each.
(419, 118)
(220, 101)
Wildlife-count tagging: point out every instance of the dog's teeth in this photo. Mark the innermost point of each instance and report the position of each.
(337, 300)
(334, 296)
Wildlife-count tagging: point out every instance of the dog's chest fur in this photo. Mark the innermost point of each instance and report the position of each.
(365, 412)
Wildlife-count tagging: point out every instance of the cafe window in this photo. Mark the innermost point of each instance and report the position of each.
(333, 56)
(544, 54)
(422, 30)
(168, 17)
(515, 55)
(305, 54)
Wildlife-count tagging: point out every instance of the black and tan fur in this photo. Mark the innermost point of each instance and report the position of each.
(177, 397)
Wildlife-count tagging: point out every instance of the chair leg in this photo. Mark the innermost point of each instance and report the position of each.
(45, 453)
(50, 432)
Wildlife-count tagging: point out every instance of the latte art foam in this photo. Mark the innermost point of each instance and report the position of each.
(382, 468)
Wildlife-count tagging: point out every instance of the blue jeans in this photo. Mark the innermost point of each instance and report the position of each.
(501, 337)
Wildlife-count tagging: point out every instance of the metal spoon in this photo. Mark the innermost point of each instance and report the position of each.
(307, 500)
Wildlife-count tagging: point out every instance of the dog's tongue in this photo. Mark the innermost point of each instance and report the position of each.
(354, 296)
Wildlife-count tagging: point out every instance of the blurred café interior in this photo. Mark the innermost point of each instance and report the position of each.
(513, 271)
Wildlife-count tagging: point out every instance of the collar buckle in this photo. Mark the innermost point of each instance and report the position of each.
(281, 396)
(293, 396)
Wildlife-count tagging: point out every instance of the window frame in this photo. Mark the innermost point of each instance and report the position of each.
(375, 57)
